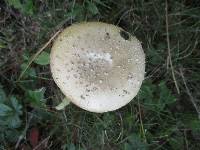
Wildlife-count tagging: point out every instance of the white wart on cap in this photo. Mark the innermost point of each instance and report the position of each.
(98, 66)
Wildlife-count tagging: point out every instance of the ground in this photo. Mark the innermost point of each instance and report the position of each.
(164, 115)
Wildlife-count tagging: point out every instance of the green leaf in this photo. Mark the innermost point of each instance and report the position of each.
(101, 3)
(43, 59)
(36, 97)
(127, 146)
(1, 139)
(195, 124)
(4, 110)
(176, 142)
(15, 104)
(92, 8)
(190, 121)
(13, 121)
(43, 113)
(26, 56)
(147, 90)
(28, 7)
(135, 142)
(155, 55)
(29, 72)
(10, 113)
(156, 97)
(15, 3)
(71, 147)
(147, 94)
(63, 104)
(2, 95)
(77, 13)
(165, 94)
(2, 45)
(12, 135)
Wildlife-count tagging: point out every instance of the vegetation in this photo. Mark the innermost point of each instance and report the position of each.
(164, 115)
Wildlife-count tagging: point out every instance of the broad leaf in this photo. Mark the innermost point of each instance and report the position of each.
(15, 104)
(13, 121)
(156, 97)
(15, 3)
(4, 110)
(2, 95)
(29, 72)
(63, 104)
(165, 94)
(12, 135)
(25, 7)
(135, 142)
(77, 13)
(43, 59)
(92, 8)
(36, 97)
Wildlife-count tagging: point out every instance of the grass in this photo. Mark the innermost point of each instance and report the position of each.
(164, 115)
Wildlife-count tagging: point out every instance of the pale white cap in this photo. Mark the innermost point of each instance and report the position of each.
(98, 66)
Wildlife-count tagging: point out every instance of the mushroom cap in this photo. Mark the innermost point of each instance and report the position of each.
(98, 66)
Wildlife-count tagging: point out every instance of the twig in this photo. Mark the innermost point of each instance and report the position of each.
(169, 49)
(65, 116)
(123, 15)
(191, 51)
(43, 141)
(37, 53)
(24, 132)
(189, 93)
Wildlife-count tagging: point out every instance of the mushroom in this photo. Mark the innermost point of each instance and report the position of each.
(98, 66)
